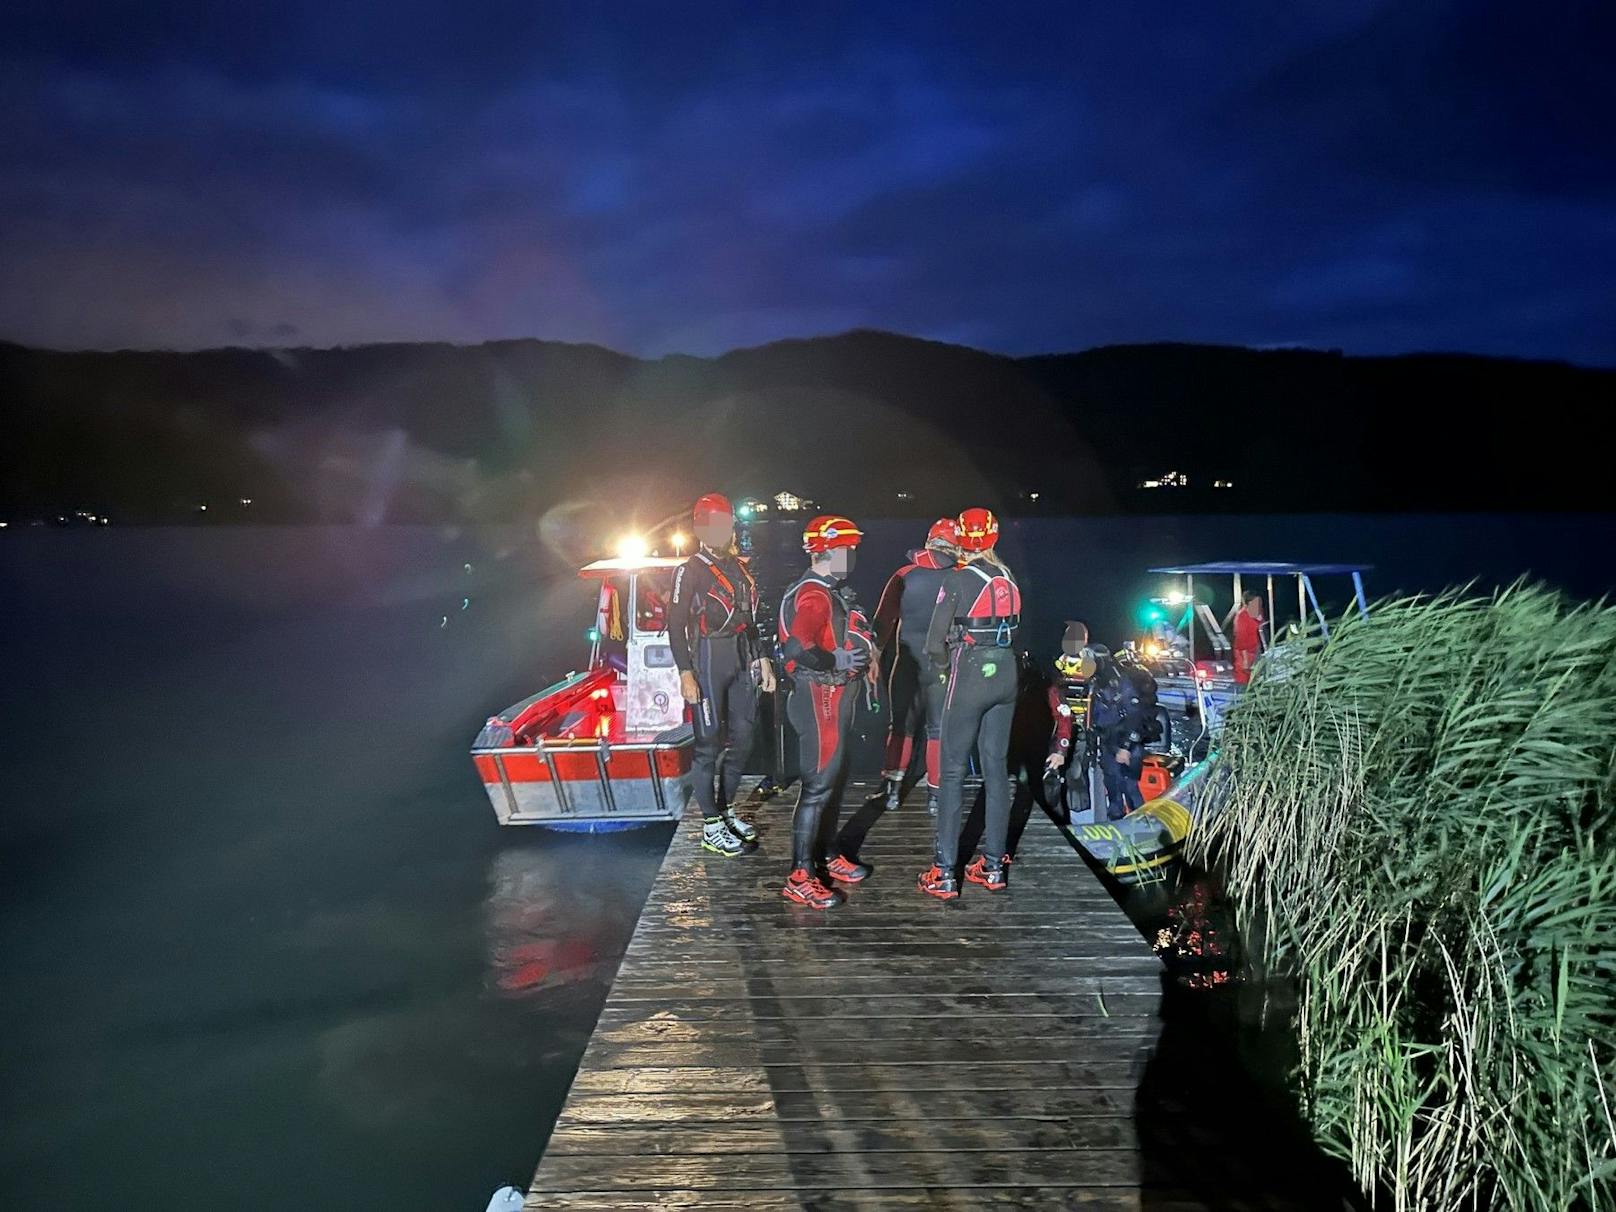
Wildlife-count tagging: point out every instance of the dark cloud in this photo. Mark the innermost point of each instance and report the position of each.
(1372, 176)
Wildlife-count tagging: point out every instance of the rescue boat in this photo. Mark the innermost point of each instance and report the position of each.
(607, 747)
(1195, 687)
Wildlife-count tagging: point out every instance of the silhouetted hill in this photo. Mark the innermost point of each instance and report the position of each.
(511, 429)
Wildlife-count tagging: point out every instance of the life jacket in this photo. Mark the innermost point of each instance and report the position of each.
(848, 625)
(727, 606)
(992, 616)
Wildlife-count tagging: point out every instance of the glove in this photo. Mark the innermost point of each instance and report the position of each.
(850, 659)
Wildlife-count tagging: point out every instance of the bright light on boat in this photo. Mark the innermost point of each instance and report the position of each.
(1177, 598)
(632, 547)
(679, 541)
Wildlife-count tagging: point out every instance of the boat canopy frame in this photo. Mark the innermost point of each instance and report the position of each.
(1307, 598)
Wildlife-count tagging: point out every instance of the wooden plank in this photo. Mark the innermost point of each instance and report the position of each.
(684, 1107)
(931, 1199)
(1138, 999)
(650, 1029)
(844, 1172)
(1101, 975)
(964, 1054)
(841, 1136)
(809, 1075)
(899, 1052)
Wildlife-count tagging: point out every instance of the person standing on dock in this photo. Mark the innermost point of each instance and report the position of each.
(712, 630)
(826, 647)
(973, 625)
(1121, 717)
(915, 686)
(1070, 740)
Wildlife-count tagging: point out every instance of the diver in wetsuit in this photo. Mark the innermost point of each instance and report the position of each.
(915, 686)
(712, 630)
(826, 646)
(1071, 741)
(975, 619)
(1121, 720)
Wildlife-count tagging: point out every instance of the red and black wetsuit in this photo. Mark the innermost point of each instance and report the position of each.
(975, 619)
(915, 683)
(1072, 739)
(815, 620)
(712, 630)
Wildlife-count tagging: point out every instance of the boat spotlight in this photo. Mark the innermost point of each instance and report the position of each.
(631, 547)
(680, 539)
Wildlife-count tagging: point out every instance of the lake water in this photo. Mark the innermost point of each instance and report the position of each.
(263, 945)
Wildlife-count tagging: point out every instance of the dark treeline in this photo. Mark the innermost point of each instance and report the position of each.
(506, 430)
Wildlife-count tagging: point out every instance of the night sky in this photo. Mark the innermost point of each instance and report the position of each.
(1376, 177)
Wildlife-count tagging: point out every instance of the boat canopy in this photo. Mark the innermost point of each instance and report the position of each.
(1307, 599)
(618, 566)
(1260, 568)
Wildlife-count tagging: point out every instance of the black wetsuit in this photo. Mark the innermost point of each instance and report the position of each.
(975, 620)
(815, 619)
(1119, 725)
(712, 629)
(916, 685)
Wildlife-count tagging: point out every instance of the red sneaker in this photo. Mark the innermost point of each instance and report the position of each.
(803, 887)
(934, 881)
(991, 876)
(845, 869)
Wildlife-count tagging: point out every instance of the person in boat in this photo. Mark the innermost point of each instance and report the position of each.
(712, 630)
(1122, 717)
(973, 628)
(915, 685)
(826, 647)
(1248, 625)
(1069, 695)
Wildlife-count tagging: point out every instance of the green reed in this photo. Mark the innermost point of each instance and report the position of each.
(1421, 818)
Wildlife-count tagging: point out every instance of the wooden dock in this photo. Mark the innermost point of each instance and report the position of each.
(896, 1052)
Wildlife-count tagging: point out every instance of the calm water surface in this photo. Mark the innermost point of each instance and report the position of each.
(262, 943)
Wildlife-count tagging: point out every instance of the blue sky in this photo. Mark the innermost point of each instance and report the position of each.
(1375, 177)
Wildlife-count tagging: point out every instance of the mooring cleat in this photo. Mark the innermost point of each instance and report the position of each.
(845, 869)
(803, 888)
(717, 838)
(934, 881)
(991, 876)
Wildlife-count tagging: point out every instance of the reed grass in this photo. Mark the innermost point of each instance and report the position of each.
(1421, 818)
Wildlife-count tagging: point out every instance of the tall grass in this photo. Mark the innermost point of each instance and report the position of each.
(1420, 825)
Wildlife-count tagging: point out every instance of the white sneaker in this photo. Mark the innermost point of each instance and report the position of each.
(741, 829)
(715, 836)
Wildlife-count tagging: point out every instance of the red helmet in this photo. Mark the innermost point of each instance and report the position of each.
(830, 530)
(978, 530)
(708, 506)
(944, 532)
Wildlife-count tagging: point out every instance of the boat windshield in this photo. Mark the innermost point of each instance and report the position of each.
(651, 602)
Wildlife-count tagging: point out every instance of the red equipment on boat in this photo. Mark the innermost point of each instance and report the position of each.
(607, 748)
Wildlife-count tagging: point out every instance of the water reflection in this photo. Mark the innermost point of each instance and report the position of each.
(549, 924)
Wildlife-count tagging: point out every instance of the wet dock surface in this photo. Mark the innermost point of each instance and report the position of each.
(895, 1052)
